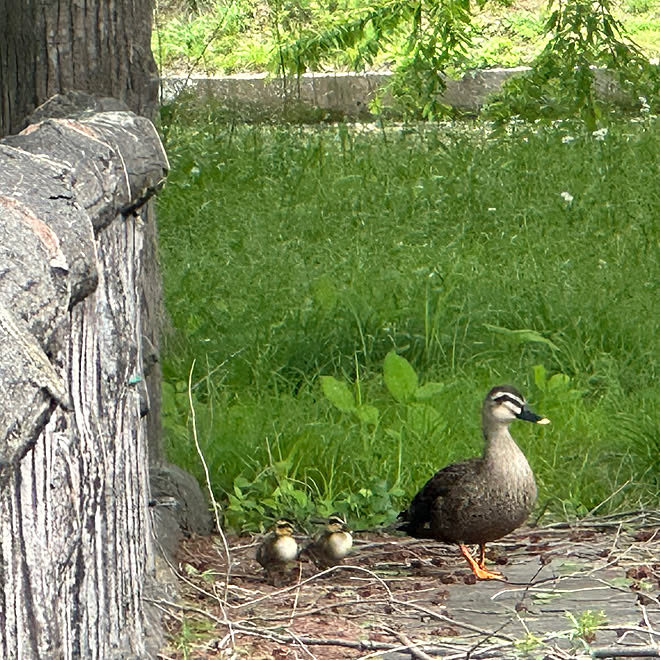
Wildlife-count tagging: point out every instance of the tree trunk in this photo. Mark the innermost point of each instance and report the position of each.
(80, 312)
(51, 46)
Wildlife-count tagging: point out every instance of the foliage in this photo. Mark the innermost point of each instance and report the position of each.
(350, 296)
(437, 35)
(432, 35)
(584, 35)
(586, 625)
(418, 40)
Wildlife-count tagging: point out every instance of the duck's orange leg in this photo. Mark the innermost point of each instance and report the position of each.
(482, 555)
(478, 568)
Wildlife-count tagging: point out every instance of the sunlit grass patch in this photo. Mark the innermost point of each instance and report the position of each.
(290, 254)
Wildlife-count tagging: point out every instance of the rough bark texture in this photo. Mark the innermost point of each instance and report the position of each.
(76, 542)
(51, 46)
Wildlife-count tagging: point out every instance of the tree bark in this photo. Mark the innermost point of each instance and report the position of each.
(80, 319)
(51, 46)
(76, 544)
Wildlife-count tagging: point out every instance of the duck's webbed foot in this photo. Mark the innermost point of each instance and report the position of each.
(478, 567)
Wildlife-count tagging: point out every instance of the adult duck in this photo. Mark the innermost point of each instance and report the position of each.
(481, 499)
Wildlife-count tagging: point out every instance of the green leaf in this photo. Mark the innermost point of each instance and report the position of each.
(559, 382)
(522, 336)
(325, 292)
(429, 390)
(425, 420)
(300, 497)
(621, 582)
(368, 414)
(544, 596)
(242, 482)
(540, 376)
(400, 377)
(338, 394)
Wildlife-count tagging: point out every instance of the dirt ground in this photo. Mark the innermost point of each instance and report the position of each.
(571, 591)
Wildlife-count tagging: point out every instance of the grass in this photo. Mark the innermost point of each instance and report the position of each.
(294, 253)
(229, 37)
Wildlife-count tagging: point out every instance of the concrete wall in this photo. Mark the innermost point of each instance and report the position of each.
(337, 94)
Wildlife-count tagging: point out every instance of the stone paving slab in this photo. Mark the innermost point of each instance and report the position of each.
(569, 590)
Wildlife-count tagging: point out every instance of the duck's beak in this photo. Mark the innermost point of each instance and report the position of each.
(530, 416)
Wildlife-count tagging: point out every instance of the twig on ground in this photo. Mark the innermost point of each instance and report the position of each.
(216, 507)
(316, 576)
(302, 645)
(626, 652)
(297, 596)
(410, 646)
(442, 617)
(239, 628)
(607, 499)
(482, 641)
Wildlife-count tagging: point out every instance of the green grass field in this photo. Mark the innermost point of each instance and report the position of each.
(530, 258)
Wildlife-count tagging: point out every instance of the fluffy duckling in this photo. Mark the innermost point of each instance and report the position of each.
(333, 544)
(278, 552)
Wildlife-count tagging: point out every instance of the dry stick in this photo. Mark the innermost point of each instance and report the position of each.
(626, 652)
(625, 629)
(607, 499)
(316, 576)
(322, 608)
(297, 596)
(613, 547)
(652, 632)
(214, 503)
(302, 645)
(447, 619)
(488, 652)
(378, 654)
(470, 651)
(625, 517)
(284, 639)
(410, 646)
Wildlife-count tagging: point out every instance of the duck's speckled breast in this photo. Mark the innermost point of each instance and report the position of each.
(493, 500)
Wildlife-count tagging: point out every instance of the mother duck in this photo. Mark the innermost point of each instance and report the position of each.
(481, 499)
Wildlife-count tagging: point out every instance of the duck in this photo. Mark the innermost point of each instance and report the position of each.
(278, 552)
(333, 544)
(481, 499)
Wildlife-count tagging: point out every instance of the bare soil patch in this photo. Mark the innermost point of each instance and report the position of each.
(401, 598)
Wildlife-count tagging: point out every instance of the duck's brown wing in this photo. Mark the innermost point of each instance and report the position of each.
(416, 519)
(265, 550)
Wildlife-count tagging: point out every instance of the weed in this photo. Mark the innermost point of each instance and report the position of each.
(296, 260)
(528, 645)
(586, 625)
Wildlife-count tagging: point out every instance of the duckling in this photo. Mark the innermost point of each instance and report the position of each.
(278, 552)
(333, 544)
(481, 499)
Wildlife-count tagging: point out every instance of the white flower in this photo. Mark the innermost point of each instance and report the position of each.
(645, 107)
(492, 208)
(567, 139)
(567, 197)
(600, 134)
